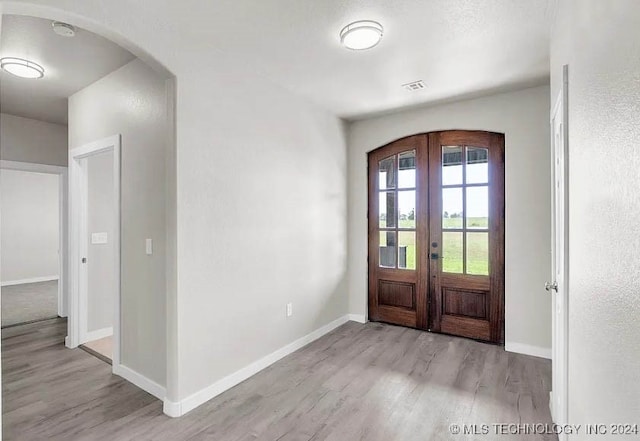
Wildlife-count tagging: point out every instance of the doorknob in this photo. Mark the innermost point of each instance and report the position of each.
(551, 286)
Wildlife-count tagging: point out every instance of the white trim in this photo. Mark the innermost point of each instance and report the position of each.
(360, 318)
(96, 335)
(31, 280)
(176, 409)
(523, 348)
(63, 255)
(172, 409)
(140, 380)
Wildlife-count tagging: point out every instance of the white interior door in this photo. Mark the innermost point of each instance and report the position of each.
(559, 287)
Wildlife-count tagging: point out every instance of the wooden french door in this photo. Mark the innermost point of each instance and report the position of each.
(436, 233)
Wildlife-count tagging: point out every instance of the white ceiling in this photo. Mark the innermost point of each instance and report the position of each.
(459, 48)
(70, 65)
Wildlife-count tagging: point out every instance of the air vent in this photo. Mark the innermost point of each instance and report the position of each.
(414, 86)
(63, 29)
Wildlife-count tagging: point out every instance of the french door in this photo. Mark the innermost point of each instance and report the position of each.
(436, 233)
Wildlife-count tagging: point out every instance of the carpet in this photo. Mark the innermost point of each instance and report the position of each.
(29, 302)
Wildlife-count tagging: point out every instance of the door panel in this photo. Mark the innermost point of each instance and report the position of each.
(467, 234)
(436, 233)
(397, 233)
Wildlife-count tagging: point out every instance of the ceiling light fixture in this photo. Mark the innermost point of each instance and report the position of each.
(21, 68)
(63, 29)
(360, 35)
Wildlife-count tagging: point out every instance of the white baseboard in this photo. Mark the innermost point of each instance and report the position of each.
(31, 280)
(360, 318)
(96, 335)
(140, 380)
(521, 348)
(176, 409)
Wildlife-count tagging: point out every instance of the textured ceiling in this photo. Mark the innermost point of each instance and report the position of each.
(457, 47)
(70, 65)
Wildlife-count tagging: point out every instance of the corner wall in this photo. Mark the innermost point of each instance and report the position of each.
(600, 43)
(132, 102)
(523, 117)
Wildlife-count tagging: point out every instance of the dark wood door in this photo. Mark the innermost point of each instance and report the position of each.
(398, 229)
(467, 234)
(436, 233)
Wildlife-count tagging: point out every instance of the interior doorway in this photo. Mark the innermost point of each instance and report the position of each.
(436, 233)
(34, 237)
(94, 314)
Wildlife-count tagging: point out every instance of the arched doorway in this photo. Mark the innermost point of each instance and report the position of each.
(436, 233)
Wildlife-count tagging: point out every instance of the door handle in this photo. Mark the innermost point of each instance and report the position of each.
(84, 260)
(551, 286)
(434, 256)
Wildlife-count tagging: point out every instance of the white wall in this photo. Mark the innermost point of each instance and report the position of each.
(30, 140)
(600, 42)
(132, 102)
(30, 226)
(523, 117)
(261, 222)
(101, 257)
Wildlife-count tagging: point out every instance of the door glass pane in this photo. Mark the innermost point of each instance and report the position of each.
(477, 207)
(478, 253)
(452, 252)
(388, 249)
(451, 165)
(407, 249)
(387, 208)
(452, 211)
(387, 173)
(407, 209)
(477, 165)
(407, 169)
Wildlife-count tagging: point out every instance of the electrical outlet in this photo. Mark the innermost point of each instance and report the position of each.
(289, 309)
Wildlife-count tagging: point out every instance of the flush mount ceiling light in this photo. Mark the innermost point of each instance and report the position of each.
(21, 68)
(360, 35)
(63, 29)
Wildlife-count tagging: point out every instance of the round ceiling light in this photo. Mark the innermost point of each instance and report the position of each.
(63, 29)
(21, 68)
(360, 35)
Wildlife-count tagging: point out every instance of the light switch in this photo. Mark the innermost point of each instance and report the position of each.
(99, 238)
(149, 246)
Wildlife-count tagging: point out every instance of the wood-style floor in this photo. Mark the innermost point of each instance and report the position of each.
(368, 382)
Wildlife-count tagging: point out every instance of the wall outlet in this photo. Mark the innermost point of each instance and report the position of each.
(289, 309)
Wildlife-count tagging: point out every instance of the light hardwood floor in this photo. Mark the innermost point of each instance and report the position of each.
(101, 348)
(369, 382)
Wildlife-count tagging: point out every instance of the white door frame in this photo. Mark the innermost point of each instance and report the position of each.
(62, 221)
(560, 254)
(78, 237)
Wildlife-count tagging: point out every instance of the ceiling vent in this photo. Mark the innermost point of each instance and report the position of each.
(63, 29)
(414, 86)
